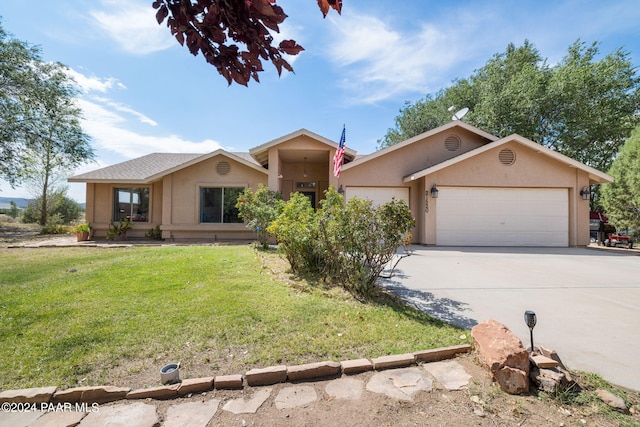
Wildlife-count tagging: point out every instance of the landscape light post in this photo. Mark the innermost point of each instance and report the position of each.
(530, 320)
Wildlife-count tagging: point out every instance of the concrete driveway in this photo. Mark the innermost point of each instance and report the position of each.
(587, 300)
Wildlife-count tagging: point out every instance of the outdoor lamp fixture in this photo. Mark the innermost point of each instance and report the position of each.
(304, 171)
(530, 320)
(585, 193)
(434, 191)
(341, 190)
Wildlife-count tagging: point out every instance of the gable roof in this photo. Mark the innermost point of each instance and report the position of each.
(260, 153)
(452, 124)
(150, 168)
(595, 176)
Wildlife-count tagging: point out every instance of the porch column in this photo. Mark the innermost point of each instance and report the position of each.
(167, 191)
(273, 181)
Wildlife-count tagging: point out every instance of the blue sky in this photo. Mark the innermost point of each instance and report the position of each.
(142, 92)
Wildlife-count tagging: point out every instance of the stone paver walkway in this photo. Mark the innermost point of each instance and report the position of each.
(401, 384)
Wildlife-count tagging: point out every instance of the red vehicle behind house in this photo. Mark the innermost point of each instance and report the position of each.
(618, 240)
(606, 234)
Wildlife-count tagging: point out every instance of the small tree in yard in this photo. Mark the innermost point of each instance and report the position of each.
(259, 209)
(348, 244)
(371, 236)
(297, 234)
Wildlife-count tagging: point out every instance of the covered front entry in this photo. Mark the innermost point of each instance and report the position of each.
(474, 216)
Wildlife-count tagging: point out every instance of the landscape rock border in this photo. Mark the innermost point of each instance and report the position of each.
(263, 376)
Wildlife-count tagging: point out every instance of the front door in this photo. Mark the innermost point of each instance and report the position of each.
(312, 197)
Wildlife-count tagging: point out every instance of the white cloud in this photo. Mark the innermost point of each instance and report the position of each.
(109, 132)
(133, 26)
(88, 84)
(382, 62)
(125, 109)
(112, 124)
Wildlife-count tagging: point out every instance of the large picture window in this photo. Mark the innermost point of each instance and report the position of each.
(218, 205)
(131, 204)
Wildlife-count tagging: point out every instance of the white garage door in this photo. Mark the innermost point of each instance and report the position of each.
(379, 195)
(502, 217)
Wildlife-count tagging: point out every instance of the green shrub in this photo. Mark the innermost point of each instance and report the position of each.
(368, 238)
(297, 234)
(347, 244)
(82, 228)
(259, 209)
(61, 210)
(155, 233)
(118, 230)
(55, 229)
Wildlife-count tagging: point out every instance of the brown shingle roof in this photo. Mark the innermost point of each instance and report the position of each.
(152, 166)
(139, 169)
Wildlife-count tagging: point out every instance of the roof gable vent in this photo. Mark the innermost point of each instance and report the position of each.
(507, 156)
(223, 168)
(452, 143)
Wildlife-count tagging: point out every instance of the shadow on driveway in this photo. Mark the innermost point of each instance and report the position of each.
(444, 309)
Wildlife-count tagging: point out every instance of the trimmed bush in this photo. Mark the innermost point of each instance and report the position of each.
(259, 209)
(348, 244)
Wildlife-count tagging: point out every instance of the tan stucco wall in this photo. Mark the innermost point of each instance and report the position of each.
(531, 170)
(100, 207)
(175, 198)
(389, 169)
(175, 201)
(181, 198)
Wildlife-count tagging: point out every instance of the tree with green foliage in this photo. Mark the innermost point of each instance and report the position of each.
(259, 209)
(370, 236)
(349, 244)
(13, 211)
(621, 198)
(62, 210)
(296, 230)
(16, 81)
(583, 107)
(42, 135)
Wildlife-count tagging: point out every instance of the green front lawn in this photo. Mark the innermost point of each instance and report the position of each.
(71, 316)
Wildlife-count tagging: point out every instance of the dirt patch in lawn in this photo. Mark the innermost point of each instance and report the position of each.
(17, 232)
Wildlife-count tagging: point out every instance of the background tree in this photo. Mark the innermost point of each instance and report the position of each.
(582, 107)
(592, 105)
(53, 137)
(13, 211)
(16, 81)
(40, 132)
(621, 198)
(62, 209)
(220, 28)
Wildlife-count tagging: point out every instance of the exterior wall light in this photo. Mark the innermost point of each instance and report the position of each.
(434, 191)
(530, 320)
(585, 193)
(341, 190)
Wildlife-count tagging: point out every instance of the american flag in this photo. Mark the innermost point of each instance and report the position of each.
(338, 158)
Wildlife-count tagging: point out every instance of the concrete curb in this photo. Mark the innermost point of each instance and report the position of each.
(255, 377)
